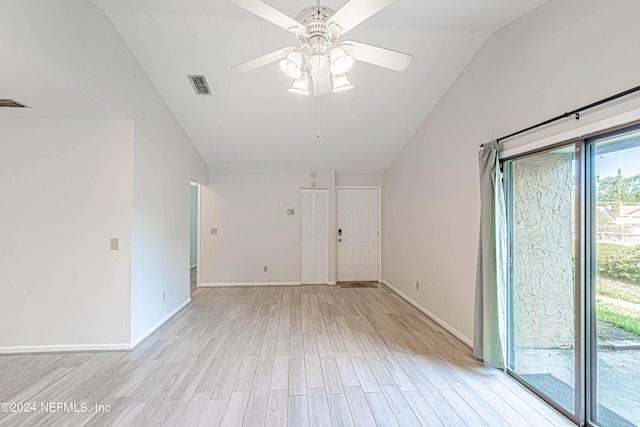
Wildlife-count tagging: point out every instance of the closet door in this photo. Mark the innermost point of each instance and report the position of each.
(307, 220)
(314, 236)
(321, 234)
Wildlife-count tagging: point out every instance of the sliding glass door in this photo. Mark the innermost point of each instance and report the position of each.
(615, 279)
(542, 211)
(574, 276)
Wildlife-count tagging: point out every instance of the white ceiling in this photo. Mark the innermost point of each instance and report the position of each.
(252, 121)
(455, 15)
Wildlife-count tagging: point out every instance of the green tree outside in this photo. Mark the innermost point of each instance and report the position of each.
(618, 188)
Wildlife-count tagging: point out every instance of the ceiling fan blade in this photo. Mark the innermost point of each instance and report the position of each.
(262, 60)
(272, 15)
(379, 56)
(321, 81)
(356, 11)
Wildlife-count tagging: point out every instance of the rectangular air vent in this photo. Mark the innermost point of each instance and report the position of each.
(200, 85)
(10, 103)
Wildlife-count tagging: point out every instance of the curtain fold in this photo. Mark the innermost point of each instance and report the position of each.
(489, 340)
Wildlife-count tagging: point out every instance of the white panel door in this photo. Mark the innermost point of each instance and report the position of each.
(321, 237)
(314, 236)
(357, 235)
(307, 220)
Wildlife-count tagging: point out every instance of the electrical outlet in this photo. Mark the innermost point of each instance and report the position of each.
(115, 244)
(265, 268)
(164, 296)
(418, 285)
(214, 230)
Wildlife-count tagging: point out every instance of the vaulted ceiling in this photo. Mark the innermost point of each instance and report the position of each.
(252, 121)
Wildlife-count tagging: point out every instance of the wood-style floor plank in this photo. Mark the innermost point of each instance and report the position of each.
(213, 413)
(279, 356)
(340, 413)
(359, 407)
(256, 412)
(277, 408)
(318, 408)
(381, 411)
(399, 406)
(236, 408)
(298, 411)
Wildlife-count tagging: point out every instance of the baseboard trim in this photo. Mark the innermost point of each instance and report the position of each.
(453, 331)
(74, 348)
(159, 323)
(64, 348)
(238, 284)
(331, 283)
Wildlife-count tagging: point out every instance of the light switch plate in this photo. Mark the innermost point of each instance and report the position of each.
(115, 244)
(214, 230)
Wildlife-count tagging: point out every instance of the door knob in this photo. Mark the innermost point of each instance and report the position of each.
(339, 240)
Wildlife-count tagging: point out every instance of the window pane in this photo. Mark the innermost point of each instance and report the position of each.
(616, 220)
(542, 291)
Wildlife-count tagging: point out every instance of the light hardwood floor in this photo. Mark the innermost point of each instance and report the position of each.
(276, 356)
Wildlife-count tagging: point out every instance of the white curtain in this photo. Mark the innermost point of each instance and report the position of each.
(491, 280)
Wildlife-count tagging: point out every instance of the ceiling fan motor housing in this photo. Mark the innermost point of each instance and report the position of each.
(317, 34)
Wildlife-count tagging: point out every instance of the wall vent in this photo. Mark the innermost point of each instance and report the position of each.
(200, 85)
(10, 103)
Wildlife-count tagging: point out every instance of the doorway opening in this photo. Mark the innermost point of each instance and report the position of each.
(194, 233)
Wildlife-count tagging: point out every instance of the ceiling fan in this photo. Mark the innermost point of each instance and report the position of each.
(320, 56)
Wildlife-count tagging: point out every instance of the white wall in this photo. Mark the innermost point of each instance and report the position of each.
(561, 56)
(76, 43)
(249, 208)
(65, 191)
(373, 180)
(162, 171)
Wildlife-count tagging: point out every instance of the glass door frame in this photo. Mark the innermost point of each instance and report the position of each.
(590, 272)
(579, 159)
(586, 339)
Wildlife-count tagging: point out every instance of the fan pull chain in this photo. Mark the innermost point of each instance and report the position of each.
(318, 136)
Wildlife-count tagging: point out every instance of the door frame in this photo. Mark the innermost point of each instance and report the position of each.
(193, 183)
(378, 189)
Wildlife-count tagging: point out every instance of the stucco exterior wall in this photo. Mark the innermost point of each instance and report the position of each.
(542, 256)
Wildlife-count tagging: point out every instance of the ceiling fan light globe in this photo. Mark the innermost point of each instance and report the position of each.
(291, 66)
(341, 83)
(341, 63)
(301, 86)
(341, 67)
